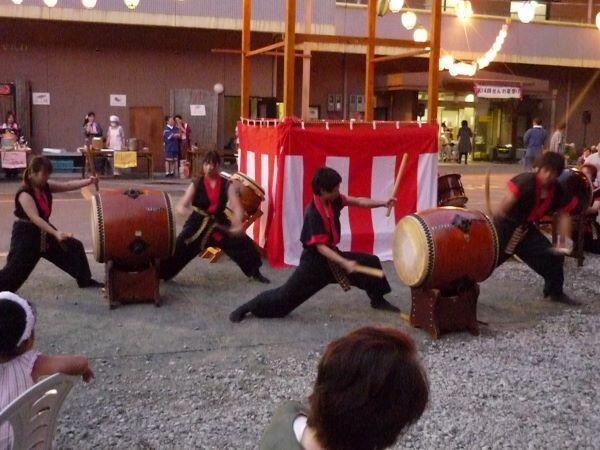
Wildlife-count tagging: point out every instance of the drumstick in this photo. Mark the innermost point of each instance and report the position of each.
(488, 203)
(397, 183)
(377, 273)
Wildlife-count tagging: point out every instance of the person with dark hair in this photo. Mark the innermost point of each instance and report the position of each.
(208, 225)
(465, 145)
(34, 237)
(370, 387)
(92, 129)
(557, 141)
(171, 136)
(534, 139)
(20, 365)
(531, 196)
(321, 262)
(185, 139)
(591, 238)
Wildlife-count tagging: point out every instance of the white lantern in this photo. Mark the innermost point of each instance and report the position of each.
(464, 10)
(469, 98)
(396, 5)
(50, 3)
(598, 20)
(17, 2)
(89, 4)
(218, 88)
(454, 70)
(132, 4)
(446, 62)
(420, 35)
(526, 12)
(409, 20)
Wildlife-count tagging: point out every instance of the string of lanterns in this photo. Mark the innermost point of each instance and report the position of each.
(88, 4)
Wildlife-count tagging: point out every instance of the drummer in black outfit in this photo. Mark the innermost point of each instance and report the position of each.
(321, 262)
(34, 237)
(532, 196)
(208, 226)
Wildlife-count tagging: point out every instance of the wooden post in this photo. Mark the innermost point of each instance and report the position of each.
(370, 69)
(434, 60)
(289, 58)
(246, 45)
(306, 62)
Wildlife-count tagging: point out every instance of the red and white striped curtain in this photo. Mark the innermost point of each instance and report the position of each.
(282, 158)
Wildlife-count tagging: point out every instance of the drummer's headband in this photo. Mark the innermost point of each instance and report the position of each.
(29, 316)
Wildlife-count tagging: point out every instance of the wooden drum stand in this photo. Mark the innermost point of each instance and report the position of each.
(123, 286)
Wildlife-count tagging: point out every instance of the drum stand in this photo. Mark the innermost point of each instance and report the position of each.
(437, 313)
(124, 287)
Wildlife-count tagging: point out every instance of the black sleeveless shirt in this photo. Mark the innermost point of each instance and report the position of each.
(202, 201)
(20, 212)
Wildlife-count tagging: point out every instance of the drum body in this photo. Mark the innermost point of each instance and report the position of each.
(133, 227)
(441, 247)
(576, 184)
(251, 194)
(451, 191)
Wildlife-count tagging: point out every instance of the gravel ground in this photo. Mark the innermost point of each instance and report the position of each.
(525, 385)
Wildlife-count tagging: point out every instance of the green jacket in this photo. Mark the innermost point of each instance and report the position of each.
(280, 433)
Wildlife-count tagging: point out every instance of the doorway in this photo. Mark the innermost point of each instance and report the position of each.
(146, 123)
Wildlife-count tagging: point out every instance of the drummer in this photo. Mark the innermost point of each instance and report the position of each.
(206, 200)
(321, 262)
(591, 239)
(34, 237)
(532, 196)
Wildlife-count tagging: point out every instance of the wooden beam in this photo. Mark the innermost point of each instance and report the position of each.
(306, 61)
(289, 58)
(434, 60)
(235, 51)
(358, 40)
(268, 48)
(370, 69)
(407, 54)
(246, 42)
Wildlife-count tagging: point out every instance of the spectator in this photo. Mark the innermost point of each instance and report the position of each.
(115, 138)
(171, 138)
(11, 126)
(465, 145)
(593, 159)
(584, 154)
(557, 141)
(534, 139)
(21, 366)
(186, 137)
(92, 129)
(370, 386)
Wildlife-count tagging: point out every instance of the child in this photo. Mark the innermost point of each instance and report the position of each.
(171, 138)
(21, 366)
(115, 138)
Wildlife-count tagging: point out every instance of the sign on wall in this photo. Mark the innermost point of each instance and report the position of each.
(40, 98)
(118, 100)
(198, 110)
(491, 91)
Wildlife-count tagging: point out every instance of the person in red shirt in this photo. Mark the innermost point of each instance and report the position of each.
(531, 196)
(206, 200)
(34, 237)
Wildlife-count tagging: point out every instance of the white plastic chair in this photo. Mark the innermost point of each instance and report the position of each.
(33, 414)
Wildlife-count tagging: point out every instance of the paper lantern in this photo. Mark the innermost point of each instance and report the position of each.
(218, 88)
(409, 20)
(50, 3)
(446, 62)
(598, 20)
(132, 4)
(396, 5)
(526, 12)
(89, 4)
(420, 35)
(17, 2)
(470, 98)
(382, 7)
(464, 10)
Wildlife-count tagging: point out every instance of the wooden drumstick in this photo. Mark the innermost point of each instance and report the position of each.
(397, 183)
(488, 203)
(366, 270)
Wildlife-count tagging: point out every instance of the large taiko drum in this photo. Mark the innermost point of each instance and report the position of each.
(251, 194)
(576, 184)
(440, 247)
(132, 227)
(451, 191)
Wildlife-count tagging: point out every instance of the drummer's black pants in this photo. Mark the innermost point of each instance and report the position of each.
(535, 251)
(25, 253)
(240, 249)
(312, 275)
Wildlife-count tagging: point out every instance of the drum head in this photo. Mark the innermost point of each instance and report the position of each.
(411, 250)
(97, 229)
(249, 182)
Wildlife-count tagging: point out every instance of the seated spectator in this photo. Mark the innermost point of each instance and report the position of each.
(370, 386)
(584, 154)
(21, 366)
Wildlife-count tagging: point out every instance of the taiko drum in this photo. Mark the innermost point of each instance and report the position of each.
(251, 194)
(575, 183)
(451, 191)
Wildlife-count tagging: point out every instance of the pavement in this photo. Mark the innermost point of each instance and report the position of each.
(183, 376)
